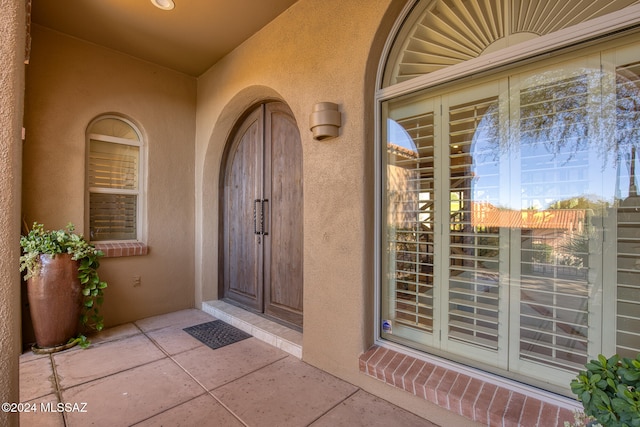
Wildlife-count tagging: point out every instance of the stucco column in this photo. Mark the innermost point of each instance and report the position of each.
(12, 48)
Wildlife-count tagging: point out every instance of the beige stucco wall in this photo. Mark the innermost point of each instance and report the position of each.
(12, 24)
(314, 52)
(70, 82)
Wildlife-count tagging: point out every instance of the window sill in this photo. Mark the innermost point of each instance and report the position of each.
(122, 249)
(473, 398)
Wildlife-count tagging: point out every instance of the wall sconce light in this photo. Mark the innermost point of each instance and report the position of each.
(325, 121)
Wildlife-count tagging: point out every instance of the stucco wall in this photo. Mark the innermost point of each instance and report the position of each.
(69, 83)
(12, 24)
(314, 52)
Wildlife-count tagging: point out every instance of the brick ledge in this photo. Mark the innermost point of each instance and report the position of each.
(121, 249)
(460, 393)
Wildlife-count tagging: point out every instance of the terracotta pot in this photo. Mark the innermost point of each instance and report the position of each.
(55, 300)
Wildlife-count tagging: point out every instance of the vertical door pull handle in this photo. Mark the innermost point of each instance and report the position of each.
(255, 217)
(258, 219)
(262, 228)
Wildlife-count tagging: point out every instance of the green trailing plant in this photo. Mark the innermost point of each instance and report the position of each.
(39, 241)
(609, 390)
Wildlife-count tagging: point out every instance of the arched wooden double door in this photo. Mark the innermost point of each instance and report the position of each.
(262, 215)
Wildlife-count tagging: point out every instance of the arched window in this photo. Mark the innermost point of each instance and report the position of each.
(508, 209)
(115, 164)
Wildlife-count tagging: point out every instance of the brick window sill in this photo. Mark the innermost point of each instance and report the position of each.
(473, 398)
(122, 249)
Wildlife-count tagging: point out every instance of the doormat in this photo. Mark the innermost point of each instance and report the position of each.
(216, 334)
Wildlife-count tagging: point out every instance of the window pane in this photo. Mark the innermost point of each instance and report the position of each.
(627, 139)
(536, 225)
(410, 220)
(555, 160)
(113, 165)
(112, 216)
(474, 268)
(114, 127)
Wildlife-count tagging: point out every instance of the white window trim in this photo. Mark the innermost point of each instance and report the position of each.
(595, 30)
(141, 226)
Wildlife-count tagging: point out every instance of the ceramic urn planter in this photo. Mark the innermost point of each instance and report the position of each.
(55, 301)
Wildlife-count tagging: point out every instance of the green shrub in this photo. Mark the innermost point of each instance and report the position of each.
(610, 390)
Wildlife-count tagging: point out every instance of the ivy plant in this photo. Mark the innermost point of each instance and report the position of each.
(609, 390)
(39, 241)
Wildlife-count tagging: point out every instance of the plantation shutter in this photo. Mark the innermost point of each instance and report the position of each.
(554, 145)
(628, 292)
(410, 219)
(474, 246)
(113, 165)
(628, 227)
(113, 216)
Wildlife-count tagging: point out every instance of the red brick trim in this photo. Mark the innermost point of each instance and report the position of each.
(112, 250)
(460, 393)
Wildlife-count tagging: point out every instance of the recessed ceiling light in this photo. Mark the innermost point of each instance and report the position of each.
(163, 4)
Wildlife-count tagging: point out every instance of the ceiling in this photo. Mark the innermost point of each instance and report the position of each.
(190, 38)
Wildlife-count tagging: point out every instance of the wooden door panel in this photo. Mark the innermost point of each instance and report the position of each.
(284, 190)
(243, 184)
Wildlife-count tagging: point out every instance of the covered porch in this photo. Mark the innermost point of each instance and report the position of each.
(151, 372)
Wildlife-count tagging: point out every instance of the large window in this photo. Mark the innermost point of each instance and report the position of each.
(114, 179)
(510, 218)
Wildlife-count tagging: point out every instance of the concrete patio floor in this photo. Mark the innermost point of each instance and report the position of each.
(152, 373)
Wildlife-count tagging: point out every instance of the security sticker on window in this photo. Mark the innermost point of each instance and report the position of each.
(386, 326)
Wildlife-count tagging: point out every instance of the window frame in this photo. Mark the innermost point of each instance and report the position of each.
(141, 190)
(613, 25)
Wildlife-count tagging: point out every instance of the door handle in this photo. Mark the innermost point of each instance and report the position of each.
(264, 233)
(258, 220)
(255, 216)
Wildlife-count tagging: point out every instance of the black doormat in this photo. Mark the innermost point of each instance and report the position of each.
(216, 334)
